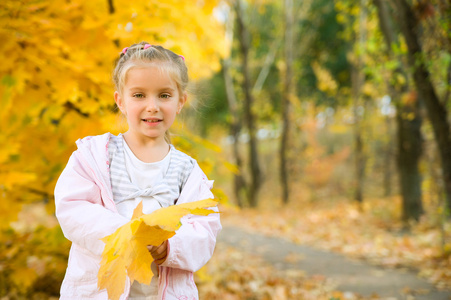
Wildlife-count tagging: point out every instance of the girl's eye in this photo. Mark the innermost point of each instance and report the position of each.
(138, 96)
(165, 96)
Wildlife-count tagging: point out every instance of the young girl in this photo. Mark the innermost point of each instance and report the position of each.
(109, 175)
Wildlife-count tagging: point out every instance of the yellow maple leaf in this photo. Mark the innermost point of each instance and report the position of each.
(108, 269)
(138, 211)
(126, 254)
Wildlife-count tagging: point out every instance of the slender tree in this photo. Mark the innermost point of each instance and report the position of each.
(255, 170)
(388, 158)
(357, 80)
(287, 94)
(235, 123)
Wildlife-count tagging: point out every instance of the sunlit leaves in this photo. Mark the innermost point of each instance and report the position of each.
(58, 56)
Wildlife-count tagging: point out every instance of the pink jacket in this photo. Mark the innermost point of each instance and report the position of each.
(86, 212)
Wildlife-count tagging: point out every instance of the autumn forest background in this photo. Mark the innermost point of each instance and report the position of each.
(325, 122)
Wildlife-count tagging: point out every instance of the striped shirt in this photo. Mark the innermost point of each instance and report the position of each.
(163, 191)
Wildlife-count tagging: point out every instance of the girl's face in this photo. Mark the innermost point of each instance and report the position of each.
(150, 101)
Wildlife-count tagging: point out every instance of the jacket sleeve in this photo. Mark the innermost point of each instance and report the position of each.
(79, 208)
(193, 244)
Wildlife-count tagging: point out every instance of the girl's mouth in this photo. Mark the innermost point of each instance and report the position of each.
(151, 120)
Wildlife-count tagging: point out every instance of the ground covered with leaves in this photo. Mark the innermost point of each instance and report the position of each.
(234, 275)
(371, 232)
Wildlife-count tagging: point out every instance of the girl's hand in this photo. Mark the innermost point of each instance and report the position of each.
(159, 253)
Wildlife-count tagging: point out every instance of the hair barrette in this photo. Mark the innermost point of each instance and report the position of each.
(182, 57)
(147, 46)
(124, 50)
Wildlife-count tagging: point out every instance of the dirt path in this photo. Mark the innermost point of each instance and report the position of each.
(350, 275)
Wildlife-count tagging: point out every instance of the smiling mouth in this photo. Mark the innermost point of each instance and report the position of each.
(151, 120)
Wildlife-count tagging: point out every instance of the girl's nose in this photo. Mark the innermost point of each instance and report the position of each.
(152, 104)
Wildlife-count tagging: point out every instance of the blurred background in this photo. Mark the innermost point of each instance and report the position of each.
(326, 122)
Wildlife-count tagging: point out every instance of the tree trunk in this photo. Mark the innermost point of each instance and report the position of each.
(387, 30)
(359, 156)
(235, 129)
(436, 111)
(255, 172)
(239, 183)
(357, 80)
(359, 163)
(388, 158)
(408, 128)
(287, 93)
(410, 150)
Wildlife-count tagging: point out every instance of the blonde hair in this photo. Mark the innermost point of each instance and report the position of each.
(143, 54)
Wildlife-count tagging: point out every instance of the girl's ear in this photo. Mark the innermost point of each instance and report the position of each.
(119, 101)
(182, 102)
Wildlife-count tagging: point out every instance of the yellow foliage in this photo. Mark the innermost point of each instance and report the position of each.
(23, 277)
(326, 82)
(8, 211)
(221, 196)
(369, 89)
(55, 80)
(338, 128)
(232, 168)
(126, 251)
(10, 179)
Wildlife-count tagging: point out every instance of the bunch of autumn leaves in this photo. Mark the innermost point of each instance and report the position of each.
(126, 252)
